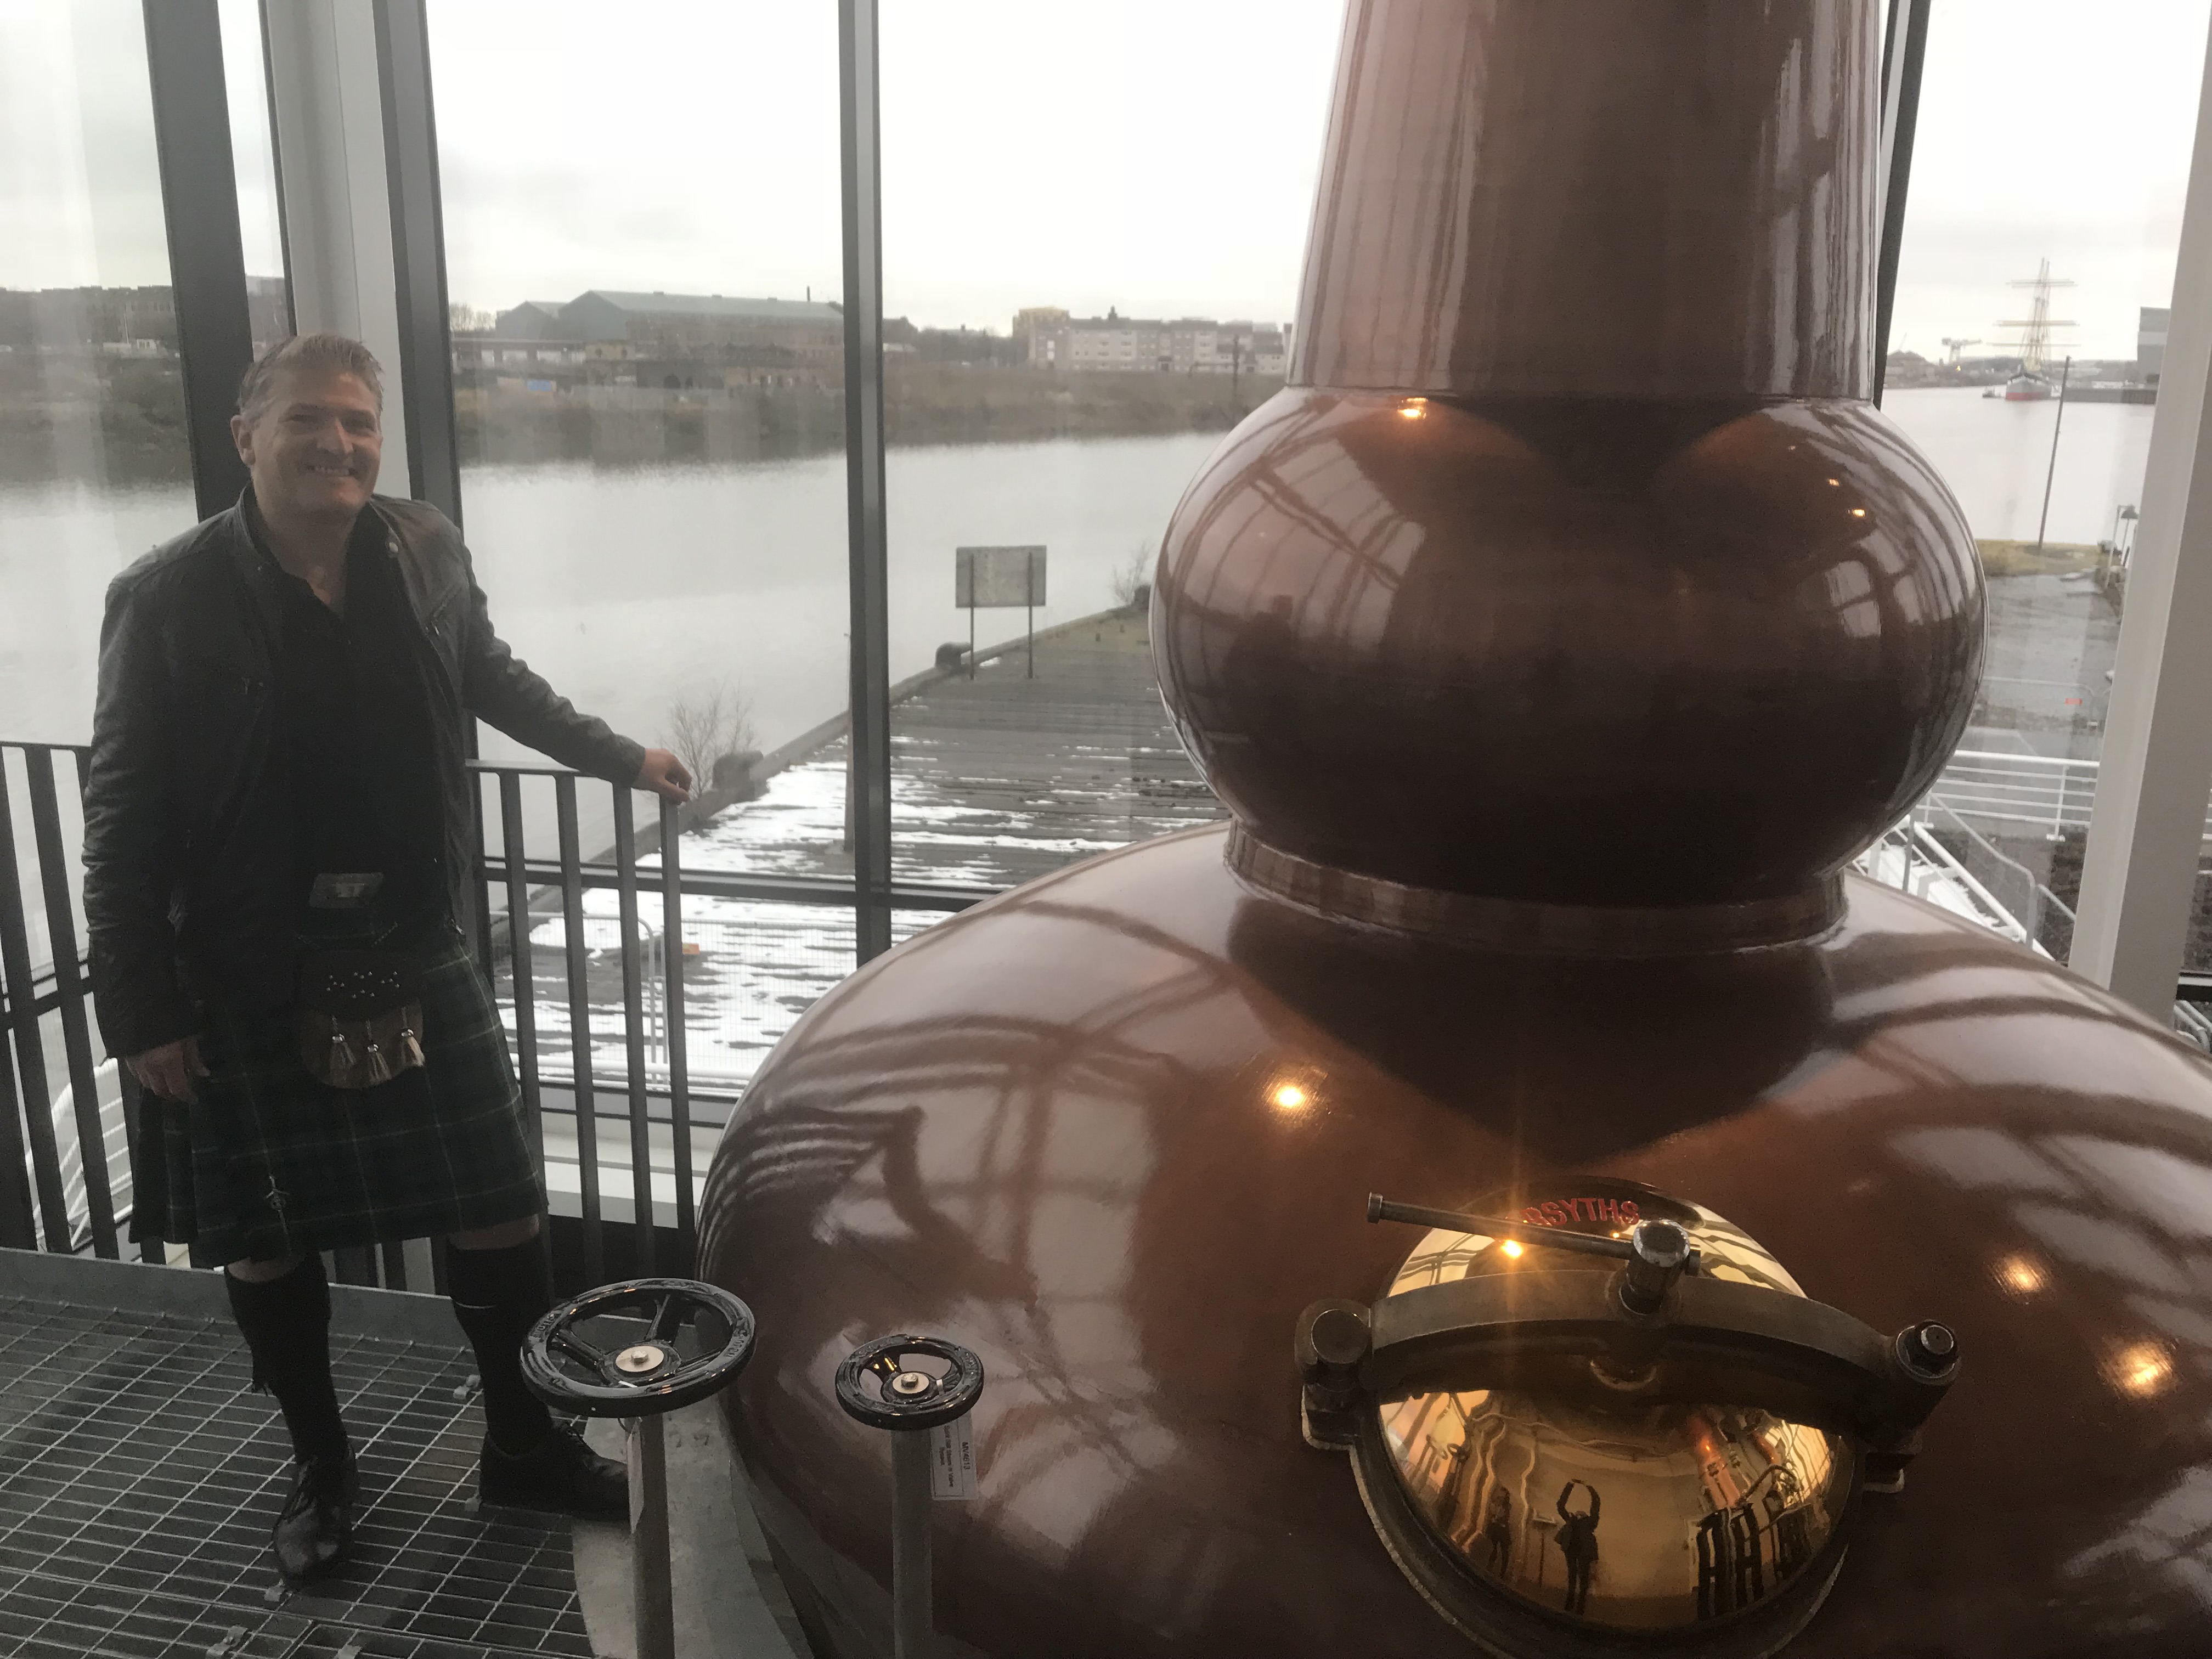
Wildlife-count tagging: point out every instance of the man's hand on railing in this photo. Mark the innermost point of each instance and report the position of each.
(665, 775)
(168, 1071)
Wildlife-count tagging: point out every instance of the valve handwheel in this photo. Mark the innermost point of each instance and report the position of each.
(651, 1375)
(905, 1397)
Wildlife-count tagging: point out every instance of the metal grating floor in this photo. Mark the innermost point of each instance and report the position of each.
(139, 1475)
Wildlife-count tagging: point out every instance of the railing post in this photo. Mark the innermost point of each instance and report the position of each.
(18, 1222)
(579, 1030)
(71, 990)
(30, 1048)
(523, 970)
(640, 1121)
(131, 1097)
(671, 1005)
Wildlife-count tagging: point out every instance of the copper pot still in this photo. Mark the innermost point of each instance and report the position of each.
(1556, 639)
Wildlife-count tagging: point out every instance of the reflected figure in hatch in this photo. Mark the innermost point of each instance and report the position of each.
(1498, 1531)
(278, 779)
(1577, 1541)
(1743, 1541)
(1715, 1593)
(1785, 1518)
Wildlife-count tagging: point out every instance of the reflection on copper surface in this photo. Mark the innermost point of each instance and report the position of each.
(2022, 1275)
(2141, 1369)
(1596, 201)
(1650, 1520)
(1638, 1517)
(1290, 1097)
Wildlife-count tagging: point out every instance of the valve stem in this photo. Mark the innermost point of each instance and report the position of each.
(1658, 1254)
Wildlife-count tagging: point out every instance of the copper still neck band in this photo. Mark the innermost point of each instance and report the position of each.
(1523, 926)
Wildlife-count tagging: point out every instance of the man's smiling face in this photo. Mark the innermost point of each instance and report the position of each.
(314, 447)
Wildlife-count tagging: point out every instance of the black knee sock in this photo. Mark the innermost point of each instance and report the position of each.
(498, 1296)
(286, 1325)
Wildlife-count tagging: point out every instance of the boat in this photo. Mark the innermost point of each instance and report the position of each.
(2031, 385)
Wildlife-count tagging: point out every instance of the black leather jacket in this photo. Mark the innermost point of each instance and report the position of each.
(187, 824)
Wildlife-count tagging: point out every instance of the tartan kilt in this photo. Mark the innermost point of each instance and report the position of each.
(269, 1163)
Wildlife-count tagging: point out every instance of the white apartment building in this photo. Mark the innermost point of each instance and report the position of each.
(1130, 345)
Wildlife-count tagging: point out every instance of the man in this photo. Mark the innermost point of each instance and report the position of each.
(278, 767)
(1577, 1541)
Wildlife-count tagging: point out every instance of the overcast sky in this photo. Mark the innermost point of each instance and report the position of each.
(1160, 159)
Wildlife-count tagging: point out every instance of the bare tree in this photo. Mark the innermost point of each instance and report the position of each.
(708, 725)
(1133, 576)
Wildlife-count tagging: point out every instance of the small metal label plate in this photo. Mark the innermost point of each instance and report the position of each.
(952, 1459)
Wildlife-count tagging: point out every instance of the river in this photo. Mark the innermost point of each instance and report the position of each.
(632, 588)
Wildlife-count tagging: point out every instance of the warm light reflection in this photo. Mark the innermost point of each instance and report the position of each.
(1288, 1097)
(1511, 1247)
(2022, 1275)
(1836, 482)
(1414, 409)
(2142, 1368)
(1858, 512)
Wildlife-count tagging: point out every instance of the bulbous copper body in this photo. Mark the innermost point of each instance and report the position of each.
(1555, 638)
(1598, 653)
(1048, 1128)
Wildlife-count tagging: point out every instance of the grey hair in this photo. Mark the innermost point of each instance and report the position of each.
(325, 354)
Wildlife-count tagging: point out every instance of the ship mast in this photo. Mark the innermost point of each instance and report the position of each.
(2035, 328)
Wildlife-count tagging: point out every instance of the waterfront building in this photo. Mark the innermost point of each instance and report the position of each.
(672, 342)
(1129, 345)
(533, 320)
(1035, 328)
(71, 320)
(2150, 342)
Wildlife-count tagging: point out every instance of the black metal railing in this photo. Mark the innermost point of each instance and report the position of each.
(67, 1165)
(42, 980)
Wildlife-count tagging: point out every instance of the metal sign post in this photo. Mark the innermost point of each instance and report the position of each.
(919, 1407)
(999, 578)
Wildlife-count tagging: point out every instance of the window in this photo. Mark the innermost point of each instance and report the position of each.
(93, 463)
(1043, 407)
(260, 222)
(2038, 258)
(648, 363)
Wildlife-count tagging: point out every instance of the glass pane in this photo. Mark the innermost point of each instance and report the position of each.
(253, 159)
(2037, 260)
(94, 464)
(649, 384)
(1088, 279)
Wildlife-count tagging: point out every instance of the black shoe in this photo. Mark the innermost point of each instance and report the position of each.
(314, 1533)
(559, 1473)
